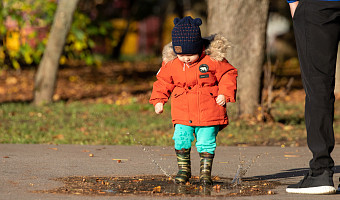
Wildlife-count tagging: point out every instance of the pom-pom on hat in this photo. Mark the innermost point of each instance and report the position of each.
(186, 36)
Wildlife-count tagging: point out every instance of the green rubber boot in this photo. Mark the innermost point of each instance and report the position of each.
(206, 160)
(184, 166)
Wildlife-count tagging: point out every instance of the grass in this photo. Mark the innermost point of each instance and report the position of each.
(79, 123)
(104, 124)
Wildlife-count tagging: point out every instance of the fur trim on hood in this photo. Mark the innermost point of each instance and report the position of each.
(216, 47)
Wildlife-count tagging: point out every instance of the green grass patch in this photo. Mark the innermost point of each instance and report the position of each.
(79, 123)
(104, 124)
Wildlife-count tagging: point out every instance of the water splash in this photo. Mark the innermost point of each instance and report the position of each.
(239, 175)
(242, 169)
(150, 156)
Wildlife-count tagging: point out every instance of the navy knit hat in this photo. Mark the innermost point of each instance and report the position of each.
(186, 36)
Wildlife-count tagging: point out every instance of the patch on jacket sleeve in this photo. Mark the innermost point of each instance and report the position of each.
(204, 68)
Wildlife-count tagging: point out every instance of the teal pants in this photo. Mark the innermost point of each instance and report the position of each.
(205, 137)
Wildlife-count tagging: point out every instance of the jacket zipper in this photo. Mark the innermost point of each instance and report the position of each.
(186, 91)
(184, 66)
(198, 100)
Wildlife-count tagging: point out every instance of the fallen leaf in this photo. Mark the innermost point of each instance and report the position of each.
(55, 149)
(11, 80)
(91, 155)
(217, 187)
(157, 189)
(270, 192)
(292, 156)
(2, 90)
(56, 97)
(5, 157)
(59, 137)
(288, 128)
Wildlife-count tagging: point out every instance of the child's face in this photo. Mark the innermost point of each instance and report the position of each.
(188, 58)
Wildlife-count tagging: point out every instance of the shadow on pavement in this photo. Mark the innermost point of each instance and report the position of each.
(291, 173)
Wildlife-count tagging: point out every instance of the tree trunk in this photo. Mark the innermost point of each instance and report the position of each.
(45, 80)
(243, 23)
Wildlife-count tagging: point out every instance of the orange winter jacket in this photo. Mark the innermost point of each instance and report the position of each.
(194, 88)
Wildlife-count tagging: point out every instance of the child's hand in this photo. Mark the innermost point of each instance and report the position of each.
(220, 100)
(159, 108)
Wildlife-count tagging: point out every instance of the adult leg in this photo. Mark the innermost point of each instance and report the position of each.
(317, 35)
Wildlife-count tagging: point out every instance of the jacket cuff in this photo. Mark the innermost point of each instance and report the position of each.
(292, 1)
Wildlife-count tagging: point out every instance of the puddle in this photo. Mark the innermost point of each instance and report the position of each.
(160, 186)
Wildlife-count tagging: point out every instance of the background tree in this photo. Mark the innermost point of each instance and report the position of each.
(243, 22)
(45, 80)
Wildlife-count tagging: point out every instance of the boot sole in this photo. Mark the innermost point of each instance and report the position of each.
(313, 190)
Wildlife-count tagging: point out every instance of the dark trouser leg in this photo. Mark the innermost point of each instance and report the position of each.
(317, 29)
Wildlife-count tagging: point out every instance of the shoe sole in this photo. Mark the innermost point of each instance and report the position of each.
(313, 190)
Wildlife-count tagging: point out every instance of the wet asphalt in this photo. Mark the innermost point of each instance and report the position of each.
(29, 167)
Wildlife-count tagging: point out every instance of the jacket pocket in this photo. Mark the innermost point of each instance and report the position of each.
(179, 104)
(209, 109)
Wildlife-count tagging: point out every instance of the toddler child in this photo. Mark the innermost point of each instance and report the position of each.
(201, 81)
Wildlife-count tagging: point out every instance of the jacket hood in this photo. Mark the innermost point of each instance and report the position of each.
(216, 47)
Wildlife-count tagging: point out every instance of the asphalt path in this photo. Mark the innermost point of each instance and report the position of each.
(29, 167)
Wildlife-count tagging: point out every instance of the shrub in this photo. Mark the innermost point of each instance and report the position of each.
(24, 27)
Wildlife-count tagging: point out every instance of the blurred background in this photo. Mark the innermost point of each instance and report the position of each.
(113, 49)
(122, 39)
